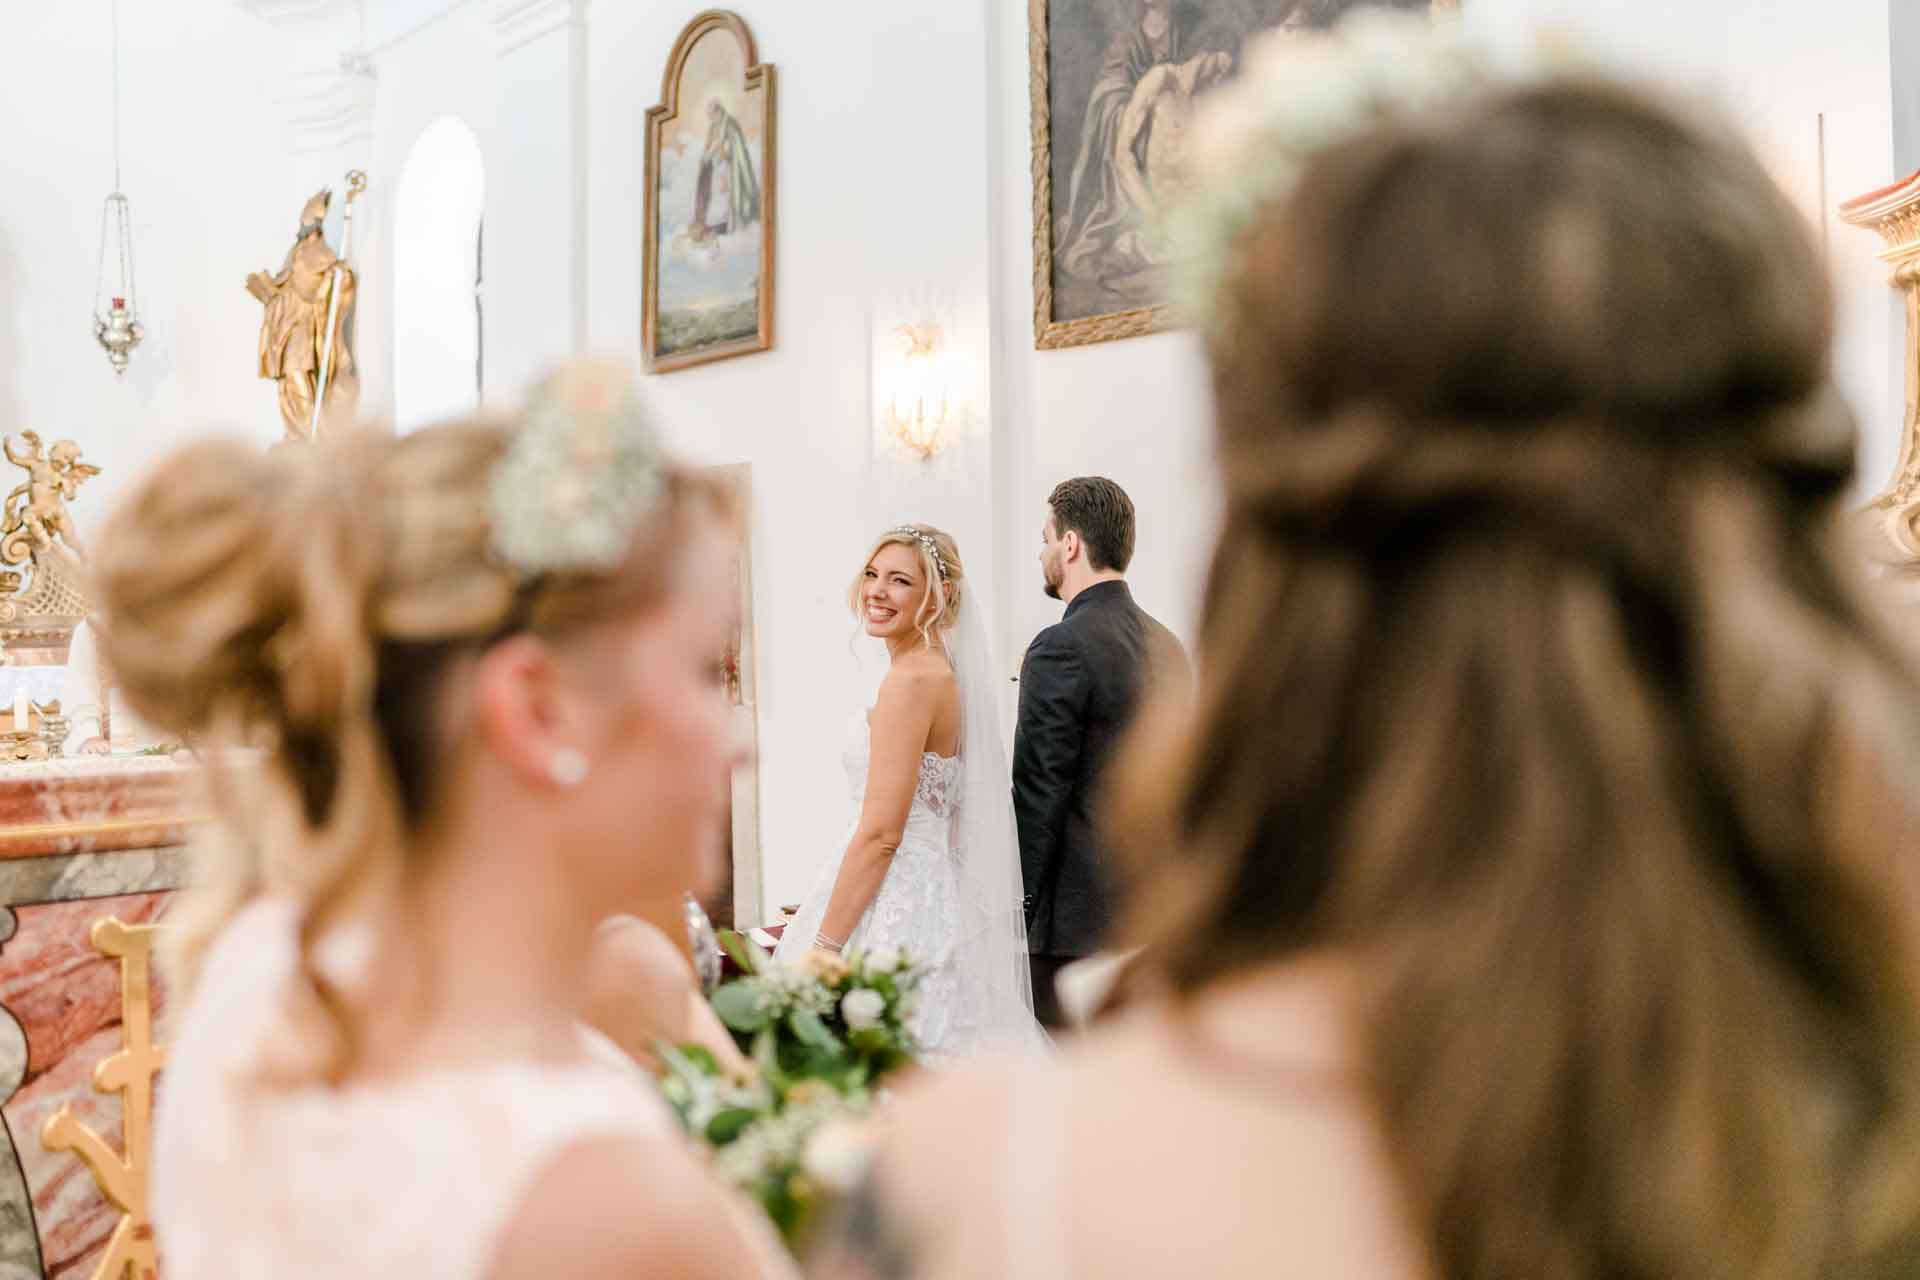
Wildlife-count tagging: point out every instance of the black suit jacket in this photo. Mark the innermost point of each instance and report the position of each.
(1080, 687)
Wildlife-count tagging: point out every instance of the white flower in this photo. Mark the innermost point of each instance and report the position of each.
(863, 1008)
(579, 475)
(837, 1153)
(883, 959)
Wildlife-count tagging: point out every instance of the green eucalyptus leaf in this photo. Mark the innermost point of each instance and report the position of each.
(871, 1040)
(737, 1004)
(745, 952)
(812, 1032)
(688, 1059)
(730, 1124)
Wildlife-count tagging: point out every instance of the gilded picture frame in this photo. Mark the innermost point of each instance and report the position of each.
(707, 276)
(1087, 286)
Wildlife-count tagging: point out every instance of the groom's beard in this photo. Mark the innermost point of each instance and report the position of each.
(1051, 578)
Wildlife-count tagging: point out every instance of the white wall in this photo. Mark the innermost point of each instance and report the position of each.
(903, 195)
(882, 150)
(1773, 67)
(1135, 410)
(445, 68)
(213, 195)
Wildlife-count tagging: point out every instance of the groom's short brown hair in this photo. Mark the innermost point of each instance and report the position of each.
(1101, 513)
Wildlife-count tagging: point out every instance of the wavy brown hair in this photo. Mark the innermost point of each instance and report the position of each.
(1532, 681)
(311, 602)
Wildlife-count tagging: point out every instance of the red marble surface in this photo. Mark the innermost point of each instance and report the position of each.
(97, 806)
(66, 997)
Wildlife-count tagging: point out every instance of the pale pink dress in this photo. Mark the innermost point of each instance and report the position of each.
(417, 1178)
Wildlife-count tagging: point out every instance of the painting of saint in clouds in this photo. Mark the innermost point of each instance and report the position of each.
(709, 237)
(1115, 86)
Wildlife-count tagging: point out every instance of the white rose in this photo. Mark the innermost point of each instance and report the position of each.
(883, 959)
(836, 1154)
(863, 1009)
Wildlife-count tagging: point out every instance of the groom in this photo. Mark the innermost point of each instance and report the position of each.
(1079, 689)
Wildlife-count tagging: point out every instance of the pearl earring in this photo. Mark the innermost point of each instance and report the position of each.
(568, 768)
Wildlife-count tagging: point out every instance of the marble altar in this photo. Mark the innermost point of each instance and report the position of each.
(81, 840)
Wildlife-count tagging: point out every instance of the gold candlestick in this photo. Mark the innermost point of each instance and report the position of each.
(22, 746)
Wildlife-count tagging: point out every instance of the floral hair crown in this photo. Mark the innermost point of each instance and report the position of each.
(578, 477)
(929, 542)
(1302, 93)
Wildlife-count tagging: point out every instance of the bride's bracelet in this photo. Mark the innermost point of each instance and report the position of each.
(824, 943)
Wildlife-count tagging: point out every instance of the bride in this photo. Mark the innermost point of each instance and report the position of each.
(932, 867)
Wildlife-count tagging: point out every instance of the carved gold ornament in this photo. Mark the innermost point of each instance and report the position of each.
(1893, 515)
(122, 1179)
(38, 534)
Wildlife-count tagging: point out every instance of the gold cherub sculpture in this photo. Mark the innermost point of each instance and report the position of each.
(35, 512)
(38, 536)
(304, 336)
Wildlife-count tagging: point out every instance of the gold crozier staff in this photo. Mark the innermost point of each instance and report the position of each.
(356, 183)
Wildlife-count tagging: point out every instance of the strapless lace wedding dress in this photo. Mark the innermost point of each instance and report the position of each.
(918, 908)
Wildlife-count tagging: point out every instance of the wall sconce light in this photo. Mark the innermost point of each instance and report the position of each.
(917, 412)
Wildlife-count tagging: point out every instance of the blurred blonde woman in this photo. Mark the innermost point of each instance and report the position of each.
(482, 662)
(931, 868)
(1532, 891)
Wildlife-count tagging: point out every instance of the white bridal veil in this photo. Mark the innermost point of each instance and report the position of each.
(992, 951)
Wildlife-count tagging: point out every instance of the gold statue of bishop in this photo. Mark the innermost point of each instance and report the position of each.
(309, 318)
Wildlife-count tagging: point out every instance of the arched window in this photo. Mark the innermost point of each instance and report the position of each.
(437, 371)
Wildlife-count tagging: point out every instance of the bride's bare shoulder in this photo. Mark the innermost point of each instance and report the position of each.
(918, 675)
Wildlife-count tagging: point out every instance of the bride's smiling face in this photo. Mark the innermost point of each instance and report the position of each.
(893, 590)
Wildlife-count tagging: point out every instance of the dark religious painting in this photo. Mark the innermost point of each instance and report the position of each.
(1115, 84)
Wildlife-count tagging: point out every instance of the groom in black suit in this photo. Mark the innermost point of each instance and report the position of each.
(1080, 686)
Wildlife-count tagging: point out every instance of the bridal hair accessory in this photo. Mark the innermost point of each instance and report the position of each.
(1301, 94)
(579, 475)
(928, 541)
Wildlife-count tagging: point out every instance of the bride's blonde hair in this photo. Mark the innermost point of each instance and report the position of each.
(312, 602)
(940, 569)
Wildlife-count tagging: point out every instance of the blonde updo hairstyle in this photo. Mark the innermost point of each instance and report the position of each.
(311, 602)
(939, 610)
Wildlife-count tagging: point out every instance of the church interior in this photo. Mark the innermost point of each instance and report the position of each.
(861, 257)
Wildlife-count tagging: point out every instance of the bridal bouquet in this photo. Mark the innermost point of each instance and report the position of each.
(824, 1035)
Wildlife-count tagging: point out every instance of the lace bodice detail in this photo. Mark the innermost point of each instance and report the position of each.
(939, 785)
(936, 794)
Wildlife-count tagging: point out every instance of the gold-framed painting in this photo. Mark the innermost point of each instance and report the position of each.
(1114, 84)
(707, 279)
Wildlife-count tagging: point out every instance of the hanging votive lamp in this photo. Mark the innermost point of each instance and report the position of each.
(116, 311)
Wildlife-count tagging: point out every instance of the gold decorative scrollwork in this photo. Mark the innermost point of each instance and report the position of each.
(122, 1179)
(1893, 516)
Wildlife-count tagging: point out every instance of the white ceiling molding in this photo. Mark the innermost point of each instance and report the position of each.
(330, 109)
(369, 25)
(313, 17)
(520, 22)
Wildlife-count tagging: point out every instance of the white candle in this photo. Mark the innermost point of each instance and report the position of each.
(19, 710)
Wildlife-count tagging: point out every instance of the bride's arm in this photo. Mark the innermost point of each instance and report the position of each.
(897, 731)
